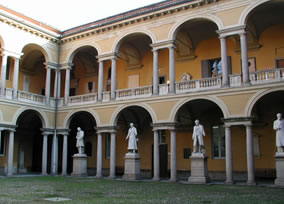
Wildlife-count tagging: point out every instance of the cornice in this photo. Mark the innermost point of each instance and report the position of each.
(34, 30)
(119, 23)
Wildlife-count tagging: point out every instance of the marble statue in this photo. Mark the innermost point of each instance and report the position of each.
(278, 125)
(197, 135)
(132, 140)
(80, 140)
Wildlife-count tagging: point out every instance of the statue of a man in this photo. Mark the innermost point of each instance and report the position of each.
(80, 140)
(197, 135)
(132, 140)
(278, 125)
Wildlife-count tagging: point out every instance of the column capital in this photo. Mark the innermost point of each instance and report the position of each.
(108, 56)
(237, 121)
(66, 66)
(106, 129)
(8, 127)
(164, 126)
(231, 31)
(51, 65)
(11, 54)
(47, 131)
(163, 44)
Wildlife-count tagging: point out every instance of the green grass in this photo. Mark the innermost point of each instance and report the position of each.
(90, 190)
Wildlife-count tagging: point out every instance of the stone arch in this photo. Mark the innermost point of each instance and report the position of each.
(71, 54)
(118, 41)
(45, 53)
(253, 100)
(71, 114)
(115, 115)
(40, 114)
(174, 30)
(246, 12)
(215, 100)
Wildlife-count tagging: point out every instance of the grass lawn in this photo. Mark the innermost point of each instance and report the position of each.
(90, 190)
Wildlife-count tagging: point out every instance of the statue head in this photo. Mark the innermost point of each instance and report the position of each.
(78, 128)
(131, 124)
(196, 122)
(279, 116)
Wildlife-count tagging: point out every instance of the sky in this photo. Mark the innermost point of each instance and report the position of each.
(65, 14)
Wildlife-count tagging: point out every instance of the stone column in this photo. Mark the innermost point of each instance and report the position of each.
(225, 76)
(173, 156)
(113, 78)
(3, 74)
(250, 156)
(64, 154)
(47, 84)
(54, 155)
(11, 153)
(57, 81)
(229, 163)
(99, 156)
(44, 153)
(16, 77)
(172, 69)
(101, 80)
(67, 85)
(244, 53)
(155, 72)
(112, 155)
(156, 157)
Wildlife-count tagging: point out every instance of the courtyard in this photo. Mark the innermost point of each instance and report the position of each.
(38, 189)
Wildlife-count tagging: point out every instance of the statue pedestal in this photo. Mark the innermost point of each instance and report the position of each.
(199, 169)
(132, 167)
(79, 165)
(279, 159)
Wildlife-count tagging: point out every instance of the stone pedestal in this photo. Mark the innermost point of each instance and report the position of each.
(279, 159)
(79, 165)
(132, 167)
(199, 169)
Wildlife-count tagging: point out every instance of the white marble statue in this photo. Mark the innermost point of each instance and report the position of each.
(278, 125)
(80, 140)
(132, 140)
(197, 135)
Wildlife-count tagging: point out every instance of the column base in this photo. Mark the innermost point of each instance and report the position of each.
(99, 176)
(279, 159)
(79, 165)
(173, 180)
(229, 182)
(199, 169)
(132, 167)
(251, 183)
(155, 179)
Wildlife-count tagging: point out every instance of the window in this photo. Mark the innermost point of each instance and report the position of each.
(162, 79)
(213, 67)
(42, 92)
(8, 68)
(218, 138)
(280, 63)
(2, 143)
(162, 136)
(107, 149)
(72, 91)
(90, 86)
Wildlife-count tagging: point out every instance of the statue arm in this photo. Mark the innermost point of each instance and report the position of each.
(276, 126)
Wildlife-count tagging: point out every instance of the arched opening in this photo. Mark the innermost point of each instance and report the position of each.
(210, 116)
(32, 72)
(28, 143)
(134, 67)
(84, 72)
(265, 36)
(142, 122)
(87, 123)
(264, 112)
(198, 53)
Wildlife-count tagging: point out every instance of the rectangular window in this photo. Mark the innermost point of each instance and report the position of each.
(162, 79)
(218, 138)
(2, 143)
(280, 63)
(162, 136)
(72, 91)
(107, 147)
(8, 68)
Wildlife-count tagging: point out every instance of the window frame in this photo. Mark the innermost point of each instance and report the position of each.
(219, 143)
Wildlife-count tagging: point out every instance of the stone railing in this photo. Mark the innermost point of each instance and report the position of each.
(106, 96)
(83, 98)
(144, 91)
(235, 80)
(163, 89)
(195, 85)
(31, 97)
(9, 93)
(267, 76)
